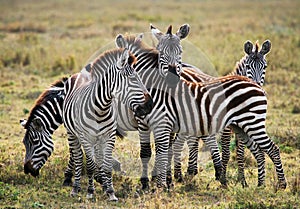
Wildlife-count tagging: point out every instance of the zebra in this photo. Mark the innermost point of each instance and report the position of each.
(90, 116)
(169, 110)
(44, 118)
(253, 65)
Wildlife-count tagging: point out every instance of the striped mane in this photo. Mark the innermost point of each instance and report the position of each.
(56, 89)
(107, 58)
(134, 42)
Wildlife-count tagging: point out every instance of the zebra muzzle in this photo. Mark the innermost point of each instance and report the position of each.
(172, 77)
(146, 108)
(28, 168)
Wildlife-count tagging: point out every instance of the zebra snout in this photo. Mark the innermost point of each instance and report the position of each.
(172, 78)
(28, 168)
(146, 108)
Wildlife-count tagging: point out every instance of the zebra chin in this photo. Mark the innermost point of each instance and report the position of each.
(28, 168)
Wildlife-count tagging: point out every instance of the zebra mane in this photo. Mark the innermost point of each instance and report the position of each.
(237, 70)
(103, 61)
(138, 43)
(256, 47)
(56, 89)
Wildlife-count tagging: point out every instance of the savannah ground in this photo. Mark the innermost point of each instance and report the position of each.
(41, 41)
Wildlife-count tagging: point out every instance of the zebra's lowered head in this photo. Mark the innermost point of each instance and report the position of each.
(44, 119)
(255, 61)
(170, 51)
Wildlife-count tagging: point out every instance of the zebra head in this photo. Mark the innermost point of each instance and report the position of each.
(44, 119)
(38, 144)
(170, 50)
(255, 61)
(132, 92)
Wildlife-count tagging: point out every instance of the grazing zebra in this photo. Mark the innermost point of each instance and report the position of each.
(172, 106)
(90, 116)
(45, 117)
(252, 65)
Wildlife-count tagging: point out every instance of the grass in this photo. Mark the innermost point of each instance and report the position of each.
(43, 41)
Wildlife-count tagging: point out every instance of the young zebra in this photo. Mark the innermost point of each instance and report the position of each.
(252, 65)
(172, 114)
(44, 118)
(90, 115)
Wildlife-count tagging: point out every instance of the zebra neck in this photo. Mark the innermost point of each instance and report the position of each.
(240, 67)
(51, 115)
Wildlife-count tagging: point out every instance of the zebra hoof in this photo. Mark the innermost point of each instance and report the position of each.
(112, 197)
(90, 193)
(145, 183)
(178, 177)
(67, 183)
(75, 191)
(282, 185)
(260, 184)
(90, 196)
(245, 185)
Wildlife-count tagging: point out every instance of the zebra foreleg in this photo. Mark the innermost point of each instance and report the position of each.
(177, 150)
(161, 156)
(107, 169)
(78, 161)
(170, 157)
(145, 155)
(240, 155)
(90, 173)
(69, 171)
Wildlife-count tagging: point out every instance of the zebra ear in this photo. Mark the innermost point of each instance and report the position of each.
(248, 46)
(157, 33)
(23, 122)
(183, 31)
(121, 42)
(123, 59)
(266, 47)
(139, 37)
(37, 124)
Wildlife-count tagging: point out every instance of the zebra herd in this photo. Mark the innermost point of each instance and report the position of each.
(135, 87)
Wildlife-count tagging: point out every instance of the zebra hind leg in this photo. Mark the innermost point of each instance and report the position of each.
(225, 143)
(240, 153)
(211, 142)
(70, 168)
